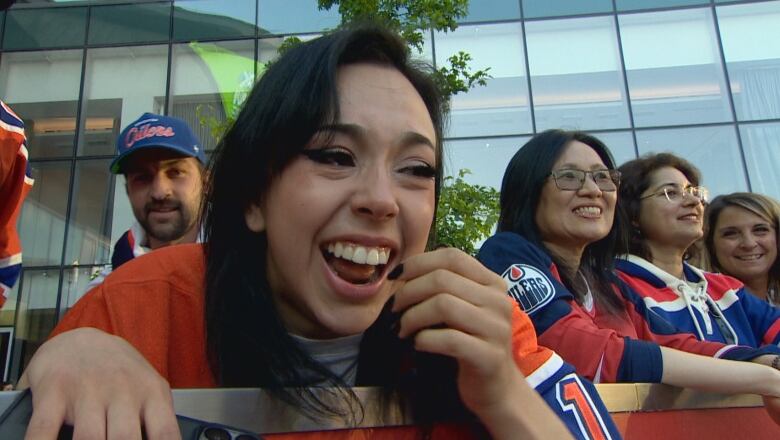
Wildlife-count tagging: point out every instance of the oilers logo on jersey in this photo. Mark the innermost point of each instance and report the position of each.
(528, 286)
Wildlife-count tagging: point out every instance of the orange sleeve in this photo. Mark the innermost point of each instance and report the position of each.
(89, 311)
(529, 355)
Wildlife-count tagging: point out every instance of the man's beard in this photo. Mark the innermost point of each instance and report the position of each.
(170, 230)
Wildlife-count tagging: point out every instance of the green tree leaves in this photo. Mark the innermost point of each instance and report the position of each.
(466, 213)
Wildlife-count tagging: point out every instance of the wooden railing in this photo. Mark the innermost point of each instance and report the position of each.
(641, 411)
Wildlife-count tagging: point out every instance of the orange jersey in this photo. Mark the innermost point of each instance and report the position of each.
(15, 183)
(156, 303)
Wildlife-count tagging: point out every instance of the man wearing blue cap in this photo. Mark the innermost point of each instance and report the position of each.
(162, 161)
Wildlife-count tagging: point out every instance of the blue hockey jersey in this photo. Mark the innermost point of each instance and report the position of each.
(712, 306)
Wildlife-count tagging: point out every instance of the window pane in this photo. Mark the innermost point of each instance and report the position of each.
(74, 285)
(709, 148)
(620, 143)
(554, 8)
(142, 23)
(762, 154)
(206, 19)
(486, 10)
(500, 107)
(210, 81)
(286, 17)
(8, 312)
(630, 5)
(44, 28)
(42, 221)
(43, 89)
(37, 313)
(485, 158)
(753, 62)
(121, 84)
(576, 78)
(673, 67)
(89, 229)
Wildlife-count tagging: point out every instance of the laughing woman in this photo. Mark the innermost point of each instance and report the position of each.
(555, 251)
(664, 206)
(321, 199)
(741, 234)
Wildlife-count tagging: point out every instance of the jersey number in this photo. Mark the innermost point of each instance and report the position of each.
(574, 398)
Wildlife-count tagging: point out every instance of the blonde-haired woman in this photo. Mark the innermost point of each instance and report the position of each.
(741, 238)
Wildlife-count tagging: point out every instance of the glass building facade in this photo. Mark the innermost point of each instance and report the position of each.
(697, 78)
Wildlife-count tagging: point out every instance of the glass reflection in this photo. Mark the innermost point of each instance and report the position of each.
(37, 313)
(620, 143)
(631, 5)
(556, 8)
(762, 155)
(43, 89)
(44, 28)
(486, 10)
(750, 33)
(139, 23)
(74, 284)
(210, 81)
(287, 17)
(121, 83)
(709, 148)
(500, 107)
(673, 68)
(485, 158)
(576, 75)
(89, 228)
(207, 19)
(41, 224)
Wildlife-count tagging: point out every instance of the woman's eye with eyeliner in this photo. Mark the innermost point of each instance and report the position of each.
(421, 170)
(330, 156)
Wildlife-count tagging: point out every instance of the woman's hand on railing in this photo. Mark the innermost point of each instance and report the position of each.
(101, 385)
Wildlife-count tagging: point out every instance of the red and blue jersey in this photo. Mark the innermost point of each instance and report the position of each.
(15, 182)
(603, 347)
(713, 307)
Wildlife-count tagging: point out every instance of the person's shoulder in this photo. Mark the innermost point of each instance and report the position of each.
(721, 283)
(181, 265)
(506, 248)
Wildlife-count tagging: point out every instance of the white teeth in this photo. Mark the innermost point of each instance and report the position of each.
(588, 210)
(373, 257)
(359, 254)
(750, 257)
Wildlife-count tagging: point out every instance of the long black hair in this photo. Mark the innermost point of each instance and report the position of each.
(521, 190)
(247, 342)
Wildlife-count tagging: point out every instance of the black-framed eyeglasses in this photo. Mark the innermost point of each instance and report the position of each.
(675, 193)
(573, 179)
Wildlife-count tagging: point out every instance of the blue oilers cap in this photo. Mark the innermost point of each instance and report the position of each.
(156, 131)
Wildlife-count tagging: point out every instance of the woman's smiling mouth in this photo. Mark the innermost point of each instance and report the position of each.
(357, 264)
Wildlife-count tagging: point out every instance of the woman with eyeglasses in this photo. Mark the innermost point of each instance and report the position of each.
(555, 250)
(741, 234)
(663, 207)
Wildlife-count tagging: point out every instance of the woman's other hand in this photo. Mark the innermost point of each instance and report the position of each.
(99, 384)
(452, 305)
